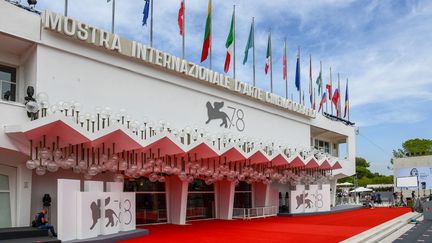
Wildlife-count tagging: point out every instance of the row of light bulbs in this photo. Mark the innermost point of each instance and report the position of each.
(53, 159)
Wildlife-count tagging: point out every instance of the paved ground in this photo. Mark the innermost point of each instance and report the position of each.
(319, 228)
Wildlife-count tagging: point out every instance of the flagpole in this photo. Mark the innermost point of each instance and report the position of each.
(234, 40)
(321, 85)
(331, 91)
(339, 113)
(300, 99)
(211, 34)
(314, 100)
(310, 79)
(184, 29)
(151, 23)
(327, 95)
(271, 66)
(66, 8)
(285, 70)
(113, 16)
(253, 42)
(348, 102)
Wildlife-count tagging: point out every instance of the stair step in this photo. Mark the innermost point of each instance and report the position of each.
(22, 232)
(45, 239)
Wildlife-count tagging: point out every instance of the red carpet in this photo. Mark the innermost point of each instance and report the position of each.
(322, 228)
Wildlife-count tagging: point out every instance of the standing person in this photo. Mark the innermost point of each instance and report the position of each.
(42, 222)
(379, 198)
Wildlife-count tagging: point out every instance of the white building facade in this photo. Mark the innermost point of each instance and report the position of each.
(196, 144)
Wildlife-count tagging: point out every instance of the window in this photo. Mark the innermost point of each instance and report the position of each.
(200, 201)
(150, 200)
(8, 83)
(322, 145)
(243, 195)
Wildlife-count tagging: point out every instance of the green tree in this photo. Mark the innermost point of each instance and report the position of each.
(362, 162)
(365, 176)
(412, 147)
(417, 146)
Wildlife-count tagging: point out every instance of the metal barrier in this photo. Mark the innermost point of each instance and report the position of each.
(251, 213)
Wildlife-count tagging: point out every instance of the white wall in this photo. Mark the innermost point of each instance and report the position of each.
(19, 22)
(23, 184)
(48, 184)
(146, 91)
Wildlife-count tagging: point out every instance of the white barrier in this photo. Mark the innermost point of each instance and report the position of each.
(251, 213)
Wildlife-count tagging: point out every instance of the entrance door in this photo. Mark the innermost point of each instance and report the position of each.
(7, 196)
(150, 200)
(200, 201)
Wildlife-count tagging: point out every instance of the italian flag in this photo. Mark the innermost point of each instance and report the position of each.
(229, 46)
(268, 55)
(206, 44)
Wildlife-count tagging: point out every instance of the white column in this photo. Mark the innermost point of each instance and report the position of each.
(178, 191)
(66, 208)
(225, 199)
(261, 194)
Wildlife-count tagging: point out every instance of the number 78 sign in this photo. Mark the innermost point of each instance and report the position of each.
(236, 118)
(233, 119)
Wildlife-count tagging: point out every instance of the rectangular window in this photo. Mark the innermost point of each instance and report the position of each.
(243, 195)
(8, 83)
(322, 145)
(150, 200)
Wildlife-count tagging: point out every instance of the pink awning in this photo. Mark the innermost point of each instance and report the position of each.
(325, 165)
(312, 164)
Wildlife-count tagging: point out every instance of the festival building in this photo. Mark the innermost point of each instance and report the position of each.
(92, 121)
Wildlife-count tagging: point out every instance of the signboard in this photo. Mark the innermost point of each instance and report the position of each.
(423, 174)
(95, 212)
(309, 201)
(113, 42)
(409, 181)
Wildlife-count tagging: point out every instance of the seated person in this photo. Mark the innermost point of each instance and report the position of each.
(42, 222)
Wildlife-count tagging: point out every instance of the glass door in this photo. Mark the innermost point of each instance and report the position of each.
(7, 196)
(150, 200)
(243, 195)
(200, 201)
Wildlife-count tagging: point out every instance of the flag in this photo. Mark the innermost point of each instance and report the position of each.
(206, 43)
(335, 100)
(180, 17)
(323, 100)
(268, 55)
(310, 80)
(284, 62)
(319, 82)
(329, 90)
(249, 43)
(297, 76)
(229, 46)
(146, 12)
(346, 100)
(314, 100)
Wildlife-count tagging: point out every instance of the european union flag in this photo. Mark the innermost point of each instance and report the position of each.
(297, 76)
(146, 12)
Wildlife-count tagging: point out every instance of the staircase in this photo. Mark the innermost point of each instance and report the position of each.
(380, 232)
(26, 235)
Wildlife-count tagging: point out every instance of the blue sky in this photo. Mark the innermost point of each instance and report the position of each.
(383, 47)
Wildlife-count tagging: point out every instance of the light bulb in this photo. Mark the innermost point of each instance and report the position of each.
(31, 164)
(40, 170)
